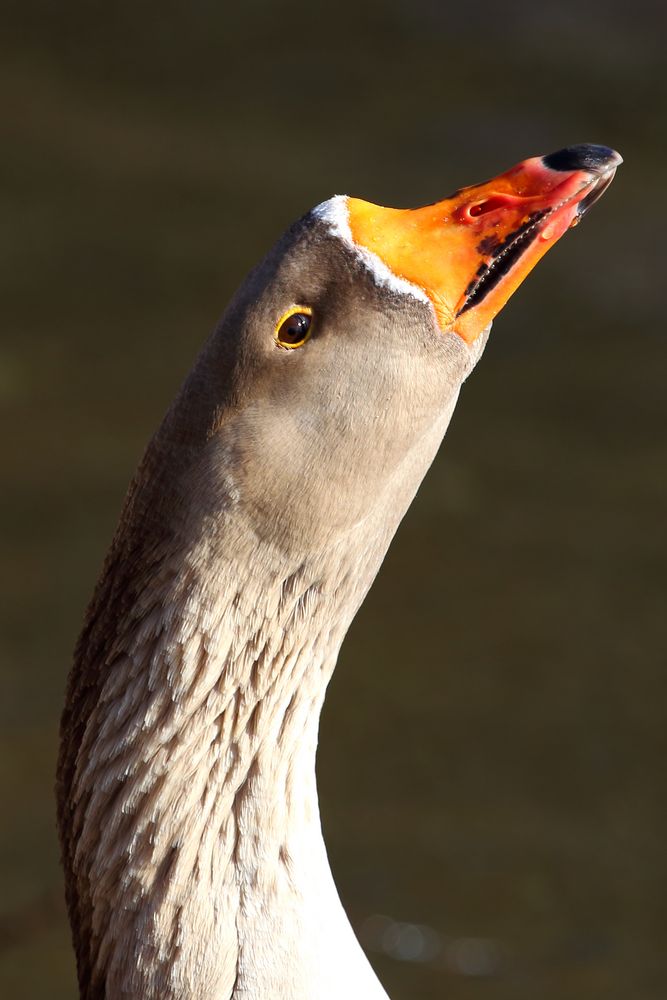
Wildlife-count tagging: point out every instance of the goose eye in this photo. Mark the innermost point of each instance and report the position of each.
(294, 327)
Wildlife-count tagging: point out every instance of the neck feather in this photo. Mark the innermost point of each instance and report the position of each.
(189, 810)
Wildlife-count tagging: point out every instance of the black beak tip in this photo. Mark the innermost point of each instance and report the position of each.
(586, 156)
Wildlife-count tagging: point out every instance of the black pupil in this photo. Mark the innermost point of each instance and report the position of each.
(295, 328)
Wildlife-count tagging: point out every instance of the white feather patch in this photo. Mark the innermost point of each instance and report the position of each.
(335, 214)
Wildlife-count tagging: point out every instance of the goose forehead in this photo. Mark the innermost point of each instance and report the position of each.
(335, 214)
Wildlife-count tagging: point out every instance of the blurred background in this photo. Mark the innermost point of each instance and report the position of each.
(492, 762)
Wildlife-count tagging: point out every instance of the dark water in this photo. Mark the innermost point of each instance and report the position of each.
(493, 748)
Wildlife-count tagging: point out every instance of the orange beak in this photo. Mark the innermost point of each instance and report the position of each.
(471, 251)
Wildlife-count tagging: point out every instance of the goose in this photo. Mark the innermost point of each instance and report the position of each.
(258, 518)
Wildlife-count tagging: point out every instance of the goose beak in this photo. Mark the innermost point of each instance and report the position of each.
(471, 251)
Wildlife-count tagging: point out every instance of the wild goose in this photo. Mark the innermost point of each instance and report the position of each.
(258, 518)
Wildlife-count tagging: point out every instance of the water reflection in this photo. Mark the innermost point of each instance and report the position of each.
(408, 942)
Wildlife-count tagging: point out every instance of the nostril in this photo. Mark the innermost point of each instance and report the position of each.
(484, 207)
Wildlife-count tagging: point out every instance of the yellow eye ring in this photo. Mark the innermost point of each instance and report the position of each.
(294, 327)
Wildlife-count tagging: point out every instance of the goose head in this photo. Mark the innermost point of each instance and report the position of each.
(326, 388)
